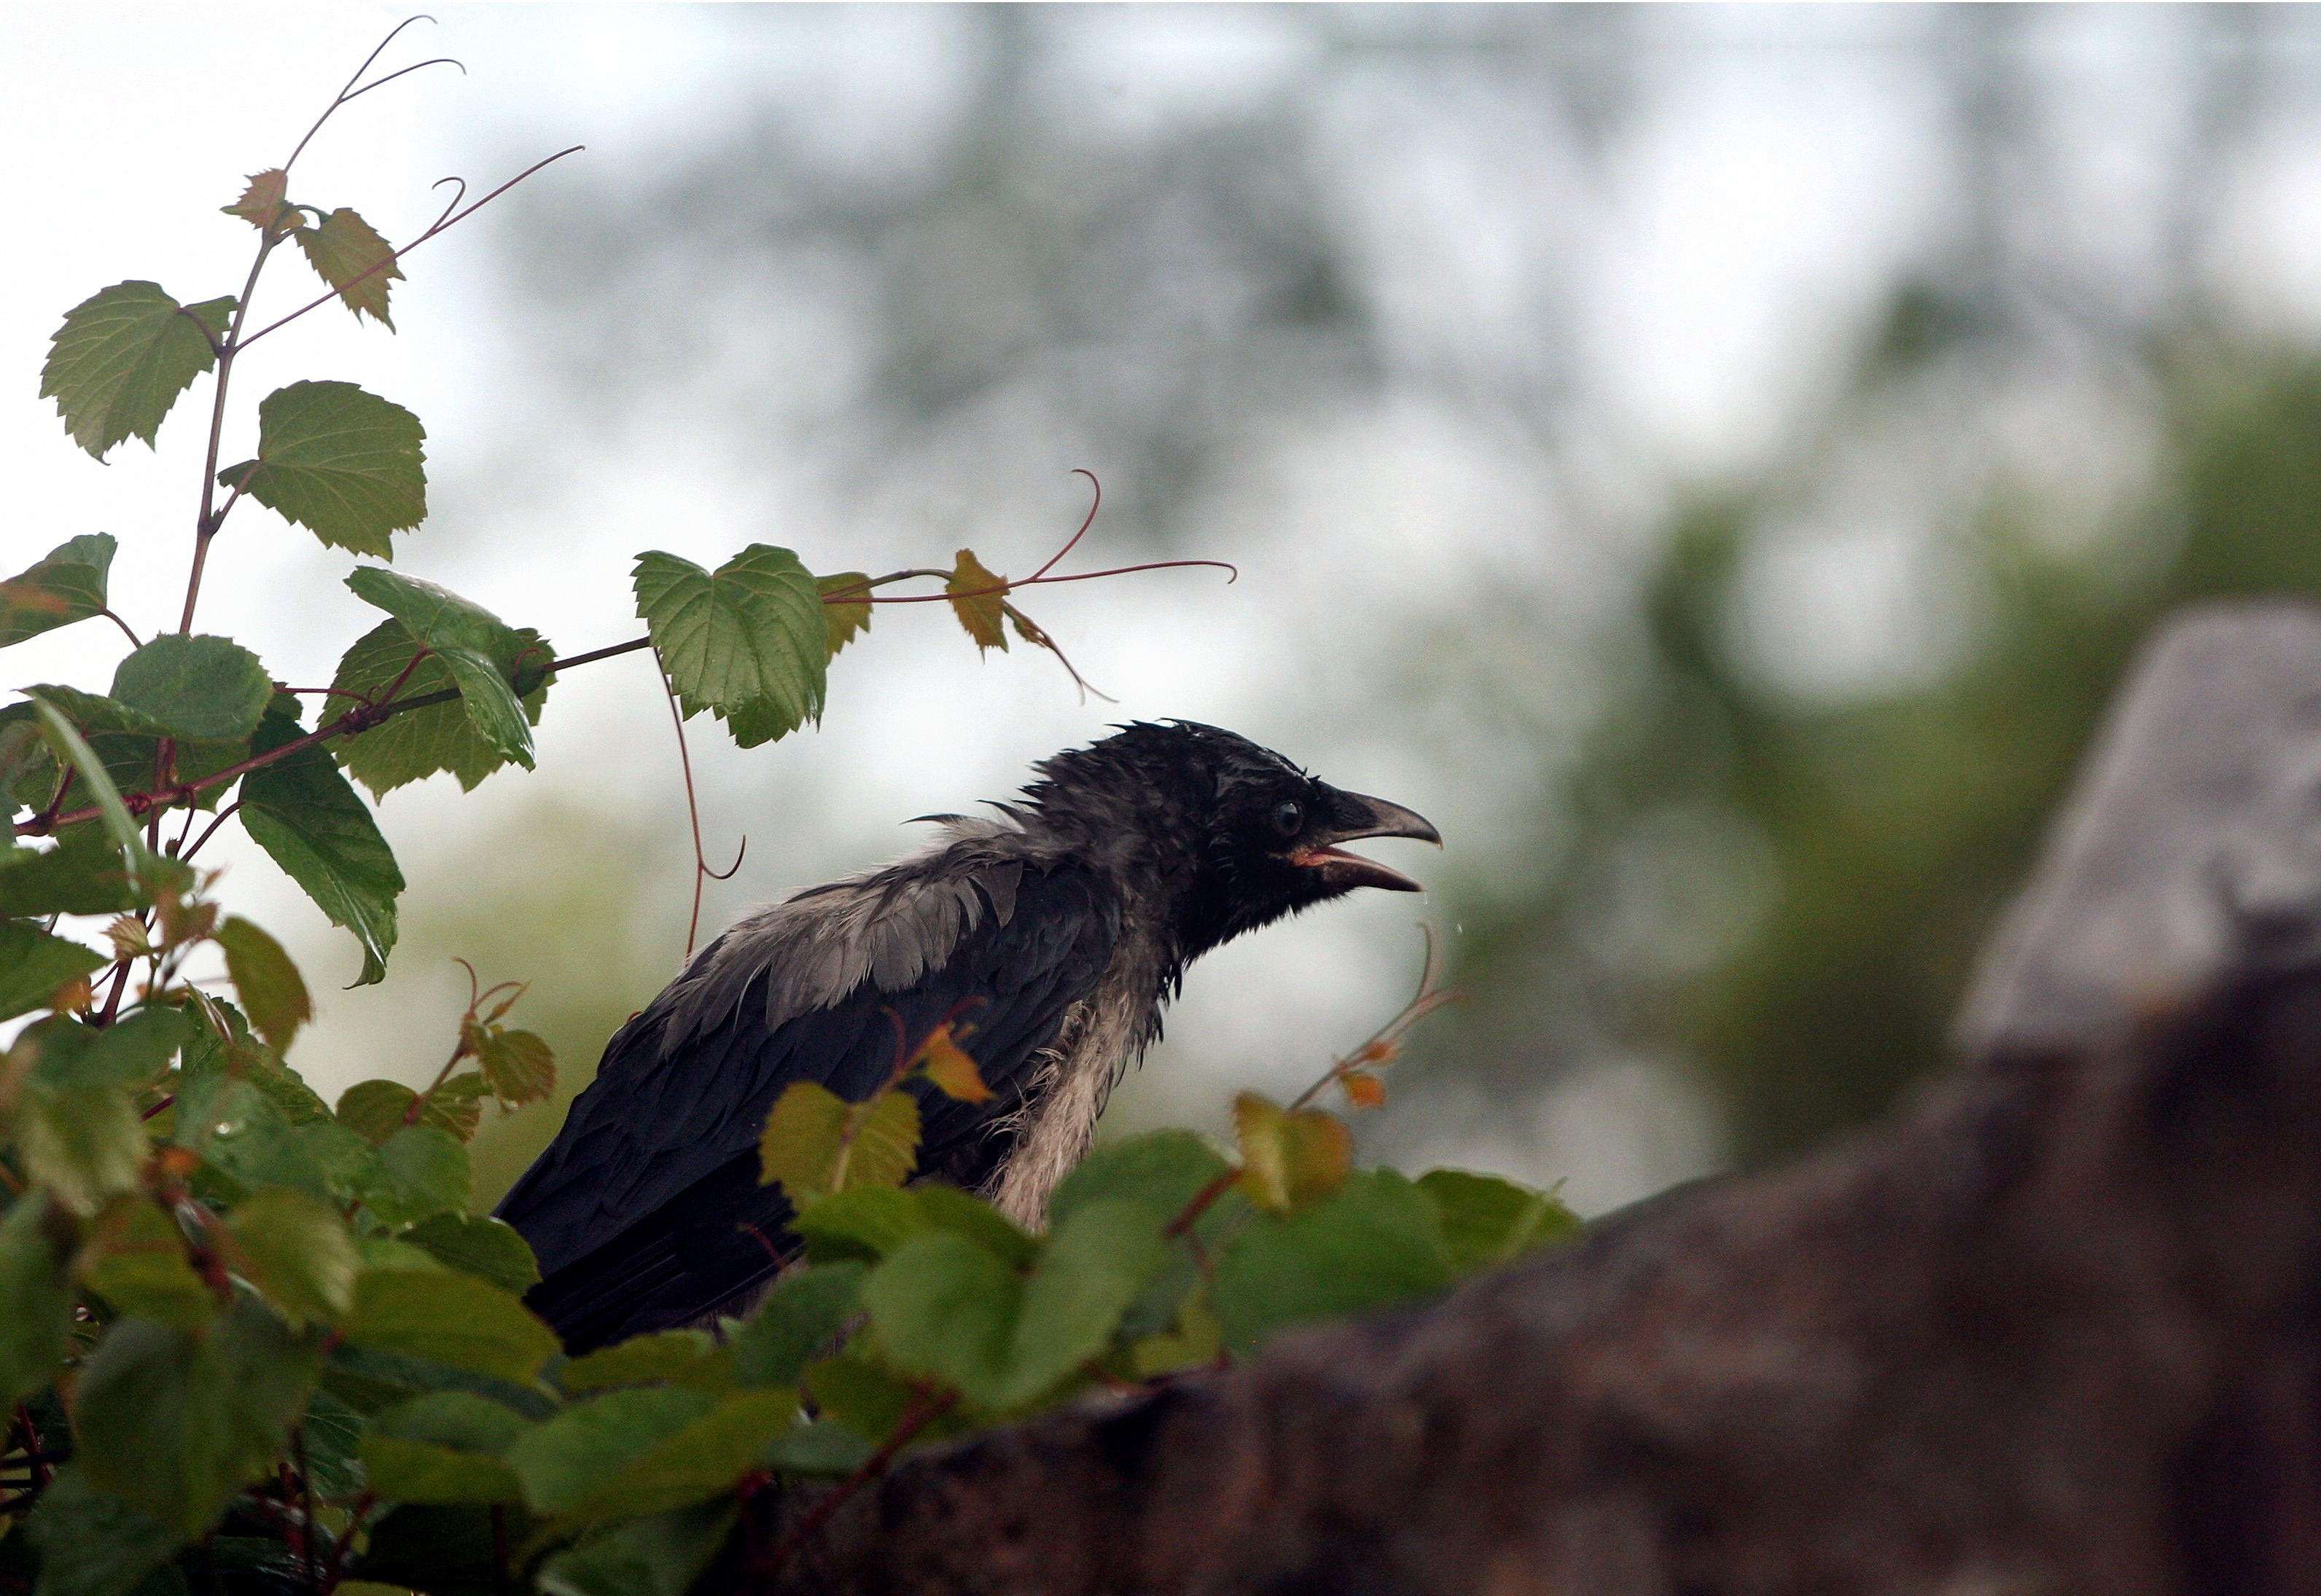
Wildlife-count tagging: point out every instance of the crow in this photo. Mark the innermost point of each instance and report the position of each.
(1052, 935)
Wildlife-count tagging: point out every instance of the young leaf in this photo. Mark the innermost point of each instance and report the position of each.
(36, 1241)
(34, 966)
(273, 993)
(517, 1065)
(1375, 1243)
(349, 257)
(135, 1260)
(67, 586)
(298, 1252)
(489, 1248)
(1289, 1160)
(947, 1064)
(979, 598)
(798, 1321)
(815, 1143)
(449, 1318)
(301, 810)
(348, 466)
(123, 356)
(204, 689)
(440, 737)
(260, 204)
(748, 643)
(847, 617)
(1486, 1220)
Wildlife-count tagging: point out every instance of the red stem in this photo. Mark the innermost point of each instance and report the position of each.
(924, 1411)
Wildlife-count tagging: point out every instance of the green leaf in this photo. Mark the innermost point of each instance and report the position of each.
(334, 1433)
(36, 1242)
(241, 1054)
(947, 1208)
(451, 1318)
(446, 1550)
(439, 736)
(301, 810)
(943, 1306)
(443, 1447)
(1486, 1220)
(82, 874)
(434, 614)
(346, 466)
(866, 1397)
(136, 1261)
(797, 1321)
(518, 1065)
(566, 1461)
(204, 689)
(272, 991)
(489, 1248)
(491, 704)
(847, 618)
(662, 1554)
(71, 750)
(456, 1105)
(1374, 1243)
(827, 1449)
(123, 356)
(68, 585)
(642, 1360)
(174, 1423)
(375, 1110)
(979, 598)
(33, 965)
(236, 1128)
(128, 1053)
(1093, 1266)
(865, 1223)
(84, 1144)
(1163, 1170)
(749, 644)
(298, 1252)
(347, 255)
(92, 1543)
(816, 1143)
(423, 1171)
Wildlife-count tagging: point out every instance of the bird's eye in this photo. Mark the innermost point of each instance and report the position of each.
(1287, 818)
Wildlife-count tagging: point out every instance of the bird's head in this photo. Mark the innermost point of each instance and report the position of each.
(1236, 834)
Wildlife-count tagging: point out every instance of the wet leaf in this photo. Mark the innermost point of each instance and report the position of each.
(489, 1248)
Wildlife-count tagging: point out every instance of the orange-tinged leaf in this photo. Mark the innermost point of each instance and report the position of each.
(351, 257)
(978, 598)
(1291, 1159)
(1363, 1090)
(845, 619)
(816, 1144)
(260, 204)
(948, 1065)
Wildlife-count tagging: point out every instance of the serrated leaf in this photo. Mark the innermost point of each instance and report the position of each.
(235, 1127)
(1291, 1159)
(68, 585)
(948, 1065)
(272, 991)
(298, 1252)
(348, 466)
(844, 618)
(797, 1321)
(135, 1259)
(1487, 1222)
(173, 1423)
(301, 810)
(519, 1065)
(260, 204)
(979, 598)
(815, 1143)
(1376, 1243)
(750, 643)
(33, 965)
(122, 357)
(489, 1248)
(347, 255)
(491, 704)
(419, 742)
(375, 1110)
(82, 874)
(204, 689)
(92, 1543)
(36, 1242)
(449, 1318)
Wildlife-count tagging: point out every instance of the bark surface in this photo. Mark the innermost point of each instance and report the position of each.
(2053, 1330)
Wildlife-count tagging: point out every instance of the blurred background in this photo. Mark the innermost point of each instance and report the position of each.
(1716, 461)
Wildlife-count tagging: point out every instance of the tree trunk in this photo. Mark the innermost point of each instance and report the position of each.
(2053, 1330)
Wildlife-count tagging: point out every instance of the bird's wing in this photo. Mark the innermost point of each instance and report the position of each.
(647, 1209)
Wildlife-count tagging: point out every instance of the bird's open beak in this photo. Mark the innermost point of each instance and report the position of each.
(1344, 870)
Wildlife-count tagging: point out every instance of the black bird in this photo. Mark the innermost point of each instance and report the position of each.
(1055, 933)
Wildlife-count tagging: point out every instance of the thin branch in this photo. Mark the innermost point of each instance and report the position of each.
(347, 91)
(1095, 504)
(701, 870)
(1386, 1041)
(209, 830)
(124, 625)
(924, 1411)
